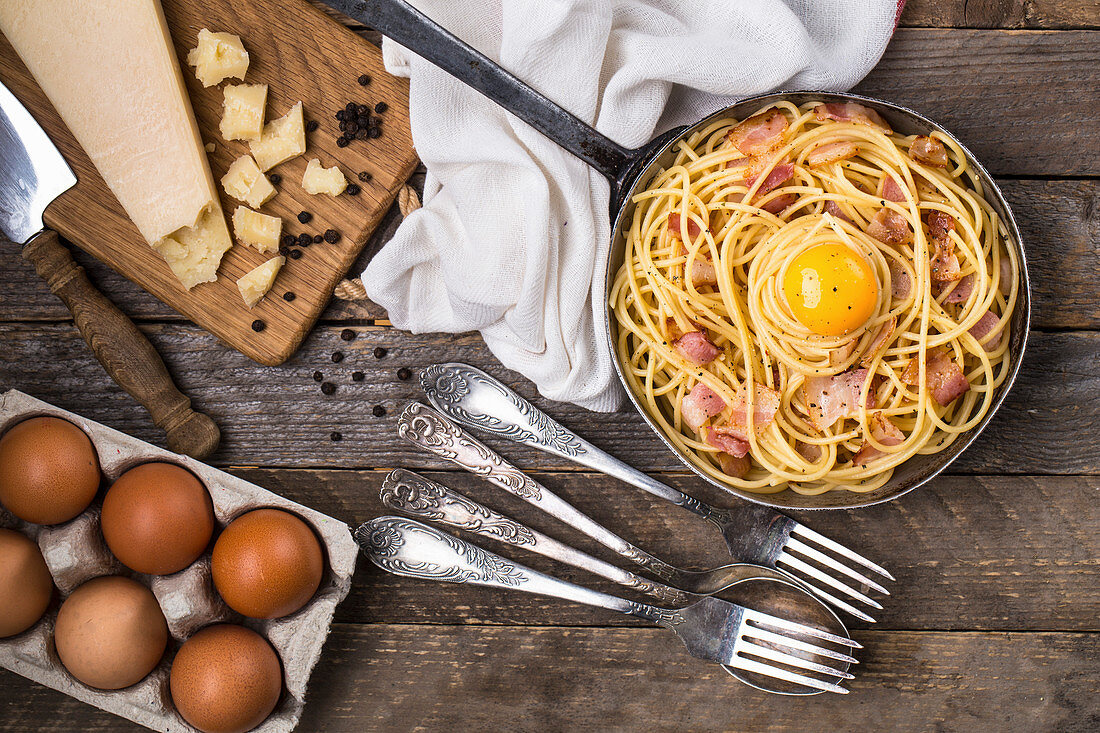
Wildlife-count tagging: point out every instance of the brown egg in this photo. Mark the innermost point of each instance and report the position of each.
(267, 563)
(157, 518)
(110, 632)
(25, 583)
(49, 471)
(226, 679)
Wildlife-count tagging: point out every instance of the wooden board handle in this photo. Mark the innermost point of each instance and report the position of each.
(122, 349)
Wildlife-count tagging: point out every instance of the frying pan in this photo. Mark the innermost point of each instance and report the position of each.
(630, 171)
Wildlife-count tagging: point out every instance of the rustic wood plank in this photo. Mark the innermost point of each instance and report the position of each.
(279, 417)
(1059, 222)
(398, 678)
(979, 553)
(1004, 94)
(1047, 14)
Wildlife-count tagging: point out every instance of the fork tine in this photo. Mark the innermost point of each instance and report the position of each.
(789, 641)
(839, 549)
(797, 628)
(797, 545)
(836, 602)
(805, 567)
(747, 647)
(751, 665)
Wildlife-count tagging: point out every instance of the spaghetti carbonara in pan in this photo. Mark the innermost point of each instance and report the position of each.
(808, 299)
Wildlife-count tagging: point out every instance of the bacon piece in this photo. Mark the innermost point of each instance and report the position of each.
(779, 203)
(928, 150)
(985, 325)
(751, 165)
(851, 112)
(890, 227)
(834, 208)
(892, 190)
(830, 398)
(759, 134)
(701, 403)
(881, 339)
(702, 272)
(726, 443)
(832, 152)
(885, 432)
(901, 285)
(809, 451)
(696, 348)
(733, 466)
(946, 380)
(962, 290)
(840, 354)
(677, 231)
(776, 177)
(1005, 283)
(945, 263)
(765, 404)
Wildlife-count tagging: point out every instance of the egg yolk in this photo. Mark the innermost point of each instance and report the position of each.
(831, 289)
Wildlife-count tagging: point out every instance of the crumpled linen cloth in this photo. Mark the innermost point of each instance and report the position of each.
(513, 235)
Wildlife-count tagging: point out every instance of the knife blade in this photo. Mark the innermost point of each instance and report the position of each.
(33, 174)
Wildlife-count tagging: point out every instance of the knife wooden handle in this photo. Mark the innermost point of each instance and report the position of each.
(122, 349)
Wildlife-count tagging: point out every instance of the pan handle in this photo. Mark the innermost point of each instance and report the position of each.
(409, 27)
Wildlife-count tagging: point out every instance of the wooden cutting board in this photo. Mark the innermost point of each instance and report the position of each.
(301, 54)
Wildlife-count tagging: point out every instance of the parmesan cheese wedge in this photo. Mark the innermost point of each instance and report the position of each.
(318, 179)
(245, 182)
(282, 139)
(255, 283)
(243, 118)
(258, 230)
(110, 71)
(217, 57)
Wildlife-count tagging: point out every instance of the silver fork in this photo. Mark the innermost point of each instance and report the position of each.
(410, 493)
(711, 629)
(427, 429)
(753, 533)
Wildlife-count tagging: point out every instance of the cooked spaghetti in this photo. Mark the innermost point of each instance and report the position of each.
(808, 299)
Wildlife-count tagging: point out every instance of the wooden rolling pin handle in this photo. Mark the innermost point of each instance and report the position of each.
(122, 349)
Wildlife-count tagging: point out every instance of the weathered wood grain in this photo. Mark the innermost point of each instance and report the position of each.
(990, 553)
(1017, 99)
(1049, 14)
(405, 678)
(1059, 222)
(277, 416)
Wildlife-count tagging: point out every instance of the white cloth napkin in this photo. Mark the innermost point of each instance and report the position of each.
(514, 232)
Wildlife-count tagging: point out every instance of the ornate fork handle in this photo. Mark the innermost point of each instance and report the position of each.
(406, 547)
(418, 496)
(431, 431)
(475, 399)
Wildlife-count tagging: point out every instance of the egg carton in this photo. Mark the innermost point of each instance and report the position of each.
(76, 552)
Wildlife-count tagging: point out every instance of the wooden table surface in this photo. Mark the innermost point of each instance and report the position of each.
(994, 620)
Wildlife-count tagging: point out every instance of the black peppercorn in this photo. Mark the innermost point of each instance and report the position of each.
(351, 107)
(288, 296)
(284, 250)
(328, 388)
(375, 121)
(317, 238)
(343, 126)
(358, 376)
(379, 352)
(404, 374)
(364, 176)
(362, 109)
(353, 189)
(304, 217)
(341, 115)
(364, 80)
(362, 133)
(295, 254)
(337, 357)
(275, 179)
(379, 411)
(288, 240)
(342, 142)
(351, 128)
(304, 240)
(381, 107)
(347, 335)
(335, 435)
(363, 121)
(258, 325)
(312, 125)
(317, 376)
(332, 236)
(374, 133)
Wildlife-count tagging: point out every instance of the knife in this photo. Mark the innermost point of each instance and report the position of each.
(32, 174)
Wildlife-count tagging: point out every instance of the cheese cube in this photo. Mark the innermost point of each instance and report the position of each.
(282, 139)
(318, 179)
(258, 230)
(218, 56)
(255, 283)
(245, 182)
(243, 118)
(194, 253)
